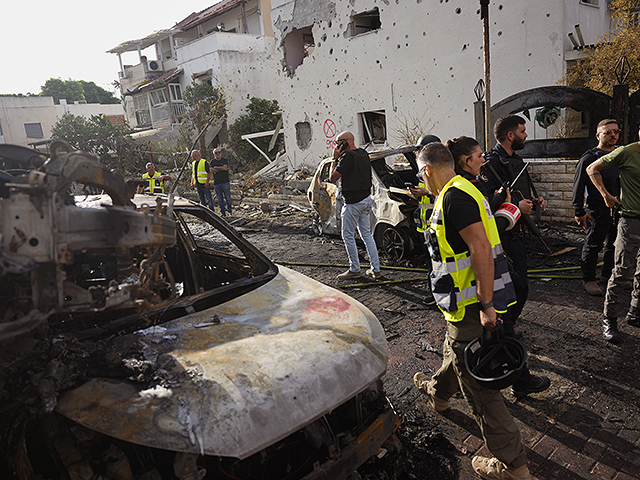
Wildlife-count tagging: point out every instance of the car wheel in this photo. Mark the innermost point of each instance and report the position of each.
(395, 244)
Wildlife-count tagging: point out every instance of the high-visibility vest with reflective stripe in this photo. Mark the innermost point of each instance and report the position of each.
(202, 174)
(458, 265)
(426, 207)
(155, 186)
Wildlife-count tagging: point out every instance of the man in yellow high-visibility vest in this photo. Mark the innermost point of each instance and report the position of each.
(155, 180)
(201, 179)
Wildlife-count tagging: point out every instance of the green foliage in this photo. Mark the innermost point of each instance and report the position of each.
(201, 102)
(76, 90)
(259, 118)
(597, 71)
(96, 135)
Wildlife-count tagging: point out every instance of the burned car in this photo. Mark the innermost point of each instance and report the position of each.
(143, 338)
(393, 226)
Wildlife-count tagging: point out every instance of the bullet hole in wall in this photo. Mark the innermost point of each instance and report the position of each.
(499, 7)
(458, 10)
(331, 51)
(500, 33)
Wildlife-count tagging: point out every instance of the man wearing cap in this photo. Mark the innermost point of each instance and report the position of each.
(201, 179)
(155, 181)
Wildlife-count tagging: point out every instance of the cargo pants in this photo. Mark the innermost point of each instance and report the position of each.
(499, 431)
(626, 266)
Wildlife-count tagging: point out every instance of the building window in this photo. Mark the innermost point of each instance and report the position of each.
(33, 130)
(158, 97)
(590, 2)
(367, 22)
(374, 126)
(176, 92)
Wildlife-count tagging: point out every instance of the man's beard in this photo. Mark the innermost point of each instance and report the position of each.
(517, 144)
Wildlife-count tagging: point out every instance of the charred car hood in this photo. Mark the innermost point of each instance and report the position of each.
(234, 379)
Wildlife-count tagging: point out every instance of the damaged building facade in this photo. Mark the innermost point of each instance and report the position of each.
(229, 44)
(380, 68)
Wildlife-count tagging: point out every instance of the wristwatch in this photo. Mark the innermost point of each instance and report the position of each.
(485, 305)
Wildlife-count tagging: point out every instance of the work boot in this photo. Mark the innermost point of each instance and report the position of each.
(610, 330)
(494, 469)
(423, 384)
(348, 275)
(537, 384)
(592, 288)
(633, 317)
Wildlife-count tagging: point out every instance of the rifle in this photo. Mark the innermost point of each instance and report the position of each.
(516, 197)
(501, 194)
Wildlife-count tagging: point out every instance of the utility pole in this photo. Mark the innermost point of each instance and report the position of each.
(484, 15)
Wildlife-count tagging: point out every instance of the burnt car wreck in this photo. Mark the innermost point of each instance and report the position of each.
(143, 338)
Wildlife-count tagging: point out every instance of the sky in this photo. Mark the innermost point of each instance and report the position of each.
(68, 39)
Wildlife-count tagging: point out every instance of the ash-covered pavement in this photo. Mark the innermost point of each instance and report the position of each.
(586, 426)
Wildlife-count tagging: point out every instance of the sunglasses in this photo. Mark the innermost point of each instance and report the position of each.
(419, 174)
(610, 132)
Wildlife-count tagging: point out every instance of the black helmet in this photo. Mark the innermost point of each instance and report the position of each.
(495, 361)
(427, 139)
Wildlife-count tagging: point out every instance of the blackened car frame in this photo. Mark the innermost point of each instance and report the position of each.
(143, 338)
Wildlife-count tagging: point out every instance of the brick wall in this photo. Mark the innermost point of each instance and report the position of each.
(554, 181)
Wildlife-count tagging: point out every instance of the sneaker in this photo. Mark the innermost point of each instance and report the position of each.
(374, 275)
(535, 385)
(423, 384)
(592, 288)
(494, 469)
(349, 275)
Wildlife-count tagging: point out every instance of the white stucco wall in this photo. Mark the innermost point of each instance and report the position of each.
(421, 65)
(89, 109)
(244, 65)
(15, 112)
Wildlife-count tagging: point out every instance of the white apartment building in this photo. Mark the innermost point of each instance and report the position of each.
(228, 44)
(28, 121)
(377, 66)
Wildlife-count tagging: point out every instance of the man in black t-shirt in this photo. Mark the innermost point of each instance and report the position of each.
(353, 166)
(471, 284)
(596, 219)
(220, 171)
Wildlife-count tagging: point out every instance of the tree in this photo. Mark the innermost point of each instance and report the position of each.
(597, 71)
(76, 90)
(259, 118)
(202, 102)
(97, 135)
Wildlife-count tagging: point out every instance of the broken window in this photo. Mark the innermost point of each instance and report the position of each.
(365, 22)
(297, 45)
(158, 97)
(590, 2)
(374, 126)
(33, 130)
(303, 135)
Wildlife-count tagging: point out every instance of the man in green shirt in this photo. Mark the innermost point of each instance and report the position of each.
(627, 244)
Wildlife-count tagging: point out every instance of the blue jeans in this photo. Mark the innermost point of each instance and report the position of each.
(204, 194)
(223, 192)
(357, 215)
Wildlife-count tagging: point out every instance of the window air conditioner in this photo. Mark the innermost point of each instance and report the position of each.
(153, 66)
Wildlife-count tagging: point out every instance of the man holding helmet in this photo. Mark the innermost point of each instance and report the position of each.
(471, 285)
